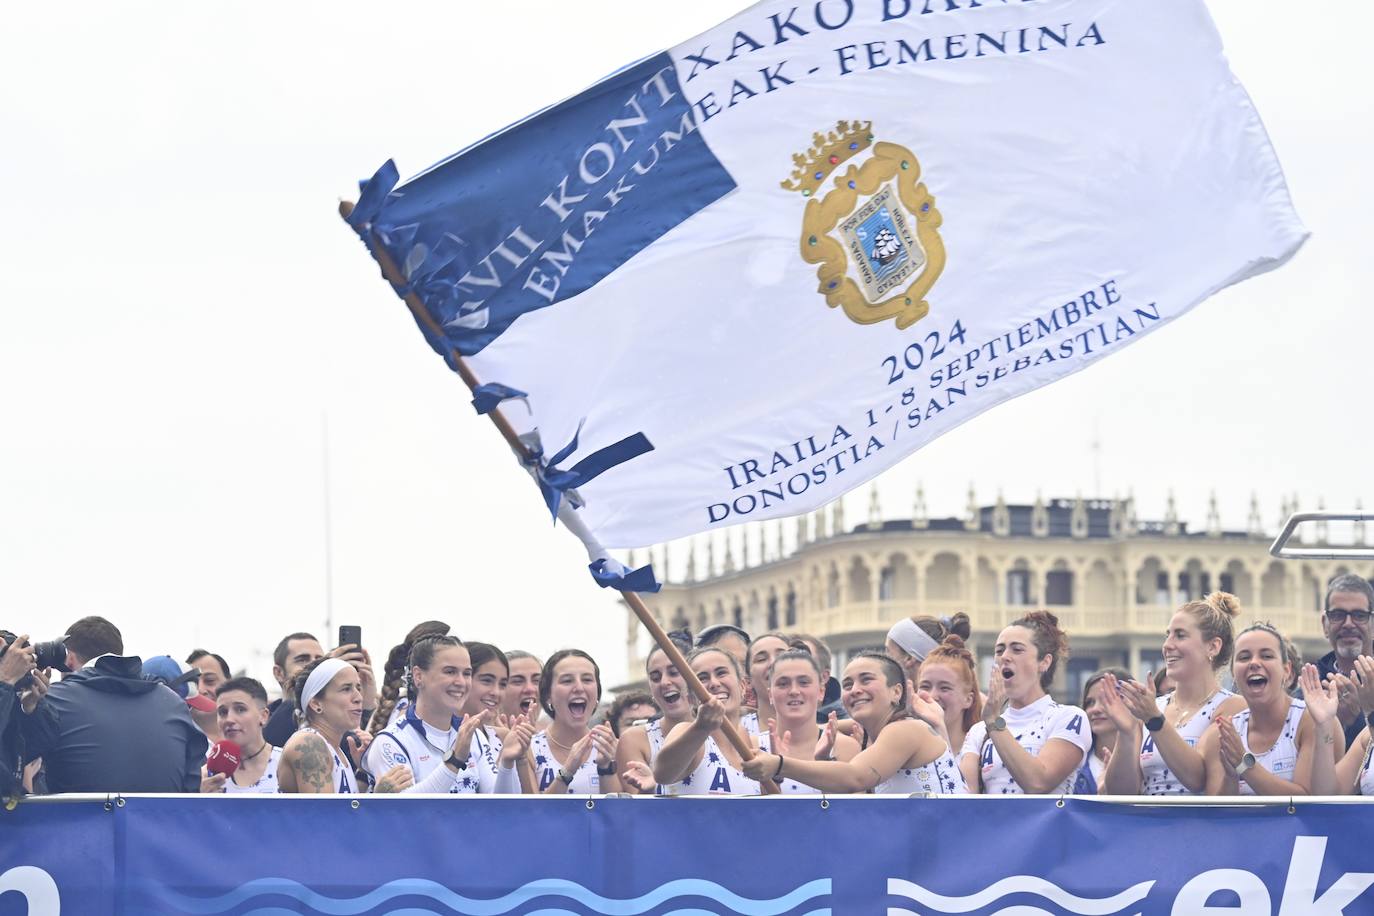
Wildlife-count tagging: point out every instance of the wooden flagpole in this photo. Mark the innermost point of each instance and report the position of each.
(641, 610)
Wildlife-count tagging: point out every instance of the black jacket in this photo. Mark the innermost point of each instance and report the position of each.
(23, 737)
(120, 733)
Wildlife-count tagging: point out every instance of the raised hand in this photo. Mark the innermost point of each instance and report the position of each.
(997, 698)
(604, 742)
(1139, 697)
(37, 690)
(825, 745)
(397, 779)
(209, 784)
(519, 733)
(639, 777)
(709, 716)
(1232, 748)
(1323, 700)
(761, 766)
(1117, 710)
(1362, 676)
(17, 661)
(462, 744)
(579, 753)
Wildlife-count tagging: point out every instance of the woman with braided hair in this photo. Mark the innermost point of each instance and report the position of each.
(391, 705)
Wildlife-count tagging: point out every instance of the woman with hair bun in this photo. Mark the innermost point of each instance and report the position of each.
(1268, 748)
(1166, 760)
(948, 677)
(901, 755)
(392, 705)
(911, 639)
(1027, 744)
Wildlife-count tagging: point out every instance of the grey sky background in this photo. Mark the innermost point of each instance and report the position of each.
(180, 307)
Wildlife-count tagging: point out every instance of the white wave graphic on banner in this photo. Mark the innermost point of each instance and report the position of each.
(452, 901)
(1016, 884)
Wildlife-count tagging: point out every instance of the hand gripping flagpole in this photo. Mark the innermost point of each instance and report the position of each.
(566, 511)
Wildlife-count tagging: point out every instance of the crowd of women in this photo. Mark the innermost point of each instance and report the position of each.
(465, 717)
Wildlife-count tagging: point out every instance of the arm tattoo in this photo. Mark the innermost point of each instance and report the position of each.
(314, 766)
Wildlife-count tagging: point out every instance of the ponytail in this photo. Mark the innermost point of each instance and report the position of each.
(396, 673)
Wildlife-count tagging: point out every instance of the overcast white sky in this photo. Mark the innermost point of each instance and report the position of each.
(180, 306)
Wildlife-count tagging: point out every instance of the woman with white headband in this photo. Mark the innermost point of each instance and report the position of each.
(911, 639)
(329, 700)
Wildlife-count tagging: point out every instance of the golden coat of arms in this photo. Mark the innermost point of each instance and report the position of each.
(875, 233)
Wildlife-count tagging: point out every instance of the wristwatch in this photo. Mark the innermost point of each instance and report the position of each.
(997, 725)
(566, 777)
(1246, 763)
(608, 771)
(458, 763)
(1154, 724)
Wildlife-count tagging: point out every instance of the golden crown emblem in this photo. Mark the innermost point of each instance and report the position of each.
(849, 138)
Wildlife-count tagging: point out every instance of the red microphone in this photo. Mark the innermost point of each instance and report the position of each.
(225, 758)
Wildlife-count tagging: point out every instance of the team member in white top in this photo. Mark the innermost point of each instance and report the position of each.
(522, 686)
(760, 654)
(241, 704)
(903, 755)
(1353, 773)
(639, 744)
(1027, 743)
(430, 739)
(1106, 730)
(794, 689)
(696, 759)
(1267, 748)
(329, 702)
(571, 755)
(948, 678)
(486, 697)
(395, 693)
(1164, 759)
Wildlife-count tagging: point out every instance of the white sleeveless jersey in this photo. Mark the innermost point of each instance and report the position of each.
(1156, 777)
(485, 760)
(653, 730)
(785, 785)
(1366, 783)
(586, 781)
(939, 777)
(713, 776)
(267, 785)
(1032, 726)
(344, 780)
(1282, 758)
(749, 722)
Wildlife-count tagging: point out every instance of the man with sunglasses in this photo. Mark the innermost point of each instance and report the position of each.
(1346, 623)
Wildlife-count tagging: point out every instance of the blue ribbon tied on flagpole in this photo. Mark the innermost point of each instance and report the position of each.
(607, 575)
(488, 396)
(554, 482)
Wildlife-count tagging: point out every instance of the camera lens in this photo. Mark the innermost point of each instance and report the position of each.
(51, 655)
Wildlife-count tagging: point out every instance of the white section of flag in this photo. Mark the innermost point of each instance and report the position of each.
(1125, 164)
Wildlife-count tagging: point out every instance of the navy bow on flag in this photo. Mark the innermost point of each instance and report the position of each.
(554, 481)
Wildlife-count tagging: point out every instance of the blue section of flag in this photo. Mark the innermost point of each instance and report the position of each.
(548, 207)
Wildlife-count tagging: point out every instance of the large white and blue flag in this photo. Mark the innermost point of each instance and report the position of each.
(738, 278)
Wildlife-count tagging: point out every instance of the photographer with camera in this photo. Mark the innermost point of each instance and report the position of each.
(116, 731)
(28, 725)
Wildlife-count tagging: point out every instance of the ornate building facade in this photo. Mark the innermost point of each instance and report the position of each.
(1112, 579)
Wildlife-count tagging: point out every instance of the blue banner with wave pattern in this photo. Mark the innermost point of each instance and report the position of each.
(791, 856)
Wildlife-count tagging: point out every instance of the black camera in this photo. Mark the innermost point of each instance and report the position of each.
(51, 654)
